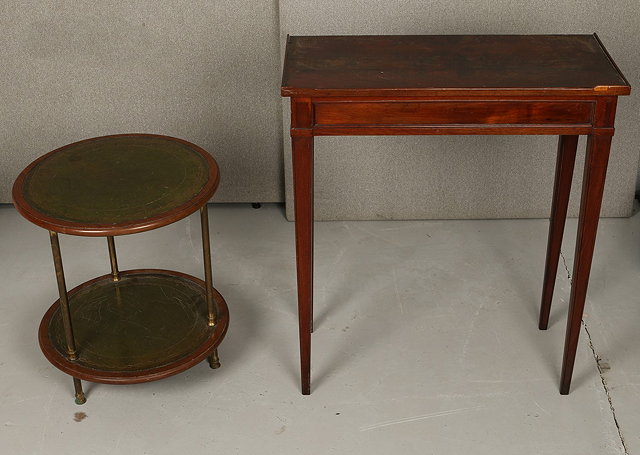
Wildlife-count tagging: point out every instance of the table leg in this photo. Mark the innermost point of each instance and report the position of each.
(115, 273)
(206, 249)
(214, 360)
(567, 146)
(77, 385)
(66, 313)
(302, 149)
(62, 291)
(595, 170)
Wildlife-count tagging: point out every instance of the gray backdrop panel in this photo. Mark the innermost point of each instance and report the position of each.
(470, 176)
(205, 71)
(209, 72)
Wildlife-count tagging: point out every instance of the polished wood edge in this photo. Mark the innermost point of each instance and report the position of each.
(134, 377)
(435, 130)
(72, 228)
(600, 90)
(450, 97)
(97, 230)
(453, 98)
(611, 61)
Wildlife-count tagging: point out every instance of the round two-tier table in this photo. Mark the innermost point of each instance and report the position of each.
(126, 326)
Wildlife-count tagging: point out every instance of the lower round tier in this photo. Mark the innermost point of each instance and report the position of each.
(149, 325)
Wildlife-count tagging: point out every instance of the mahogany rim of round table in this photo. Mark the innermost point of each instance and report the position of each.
(165, 218)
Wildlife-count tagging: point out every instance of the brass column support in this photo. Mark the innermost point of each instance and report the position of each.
(66, 313)
(115, 274)
(64, 301)
(206, 249)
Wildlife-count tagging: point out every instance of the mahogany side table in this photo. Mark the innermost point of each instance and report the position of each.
(565, 85)
(129, 326)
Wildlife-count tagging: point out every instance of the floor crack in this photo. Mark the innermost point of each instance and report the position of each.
(564, 261)
(601, 368)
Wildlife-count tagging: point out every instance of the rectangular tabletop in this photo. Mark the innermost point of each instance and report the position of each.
(425, 65)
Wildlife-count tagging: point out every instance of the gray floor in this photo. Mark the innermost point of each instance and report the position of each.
(426, 342)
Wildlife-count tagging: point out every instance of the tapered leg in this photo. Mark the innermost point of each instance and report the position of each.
(65, 311)
(567, 146)
(595, 171)
(303, 202)
(206, 250)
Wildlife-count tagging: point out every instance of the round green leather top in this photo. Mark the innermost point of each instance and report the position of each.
(115, 185)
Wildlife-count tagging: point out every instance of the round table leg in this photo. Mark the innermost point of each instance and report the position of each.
(66, 313)
(77, 385)
(214, 360)
(62, 291)
(115, 274)
(206, 249)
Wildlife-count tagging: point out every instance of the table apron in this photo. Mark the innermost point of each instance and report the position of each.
(454, 129)
(458, 112)
(373, 117)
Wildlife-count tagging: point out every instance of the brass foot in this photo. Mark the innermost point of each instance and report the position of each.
(214, 360)
(80, 398)
(77, 385)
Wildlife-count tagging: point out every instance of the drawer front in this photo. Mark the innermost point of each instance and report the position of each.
(452, 113)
